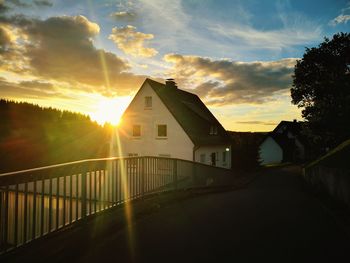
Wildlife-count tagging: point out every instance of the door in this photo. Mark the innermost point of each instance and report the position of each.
(213, 159)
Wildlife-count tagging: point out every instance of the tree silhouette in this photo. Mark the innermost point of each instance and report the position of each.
(245, 150)
(321, 86)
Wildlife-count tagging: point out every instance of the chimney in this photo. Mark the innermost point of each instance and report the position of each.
(170, 84)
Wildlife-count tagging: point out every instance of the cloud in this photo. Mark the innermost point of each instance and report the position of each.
(6, 38)
(257, 122)
(270, 39)
(44, 3)
(10, 53)
(132, 42)
(127, 16)
(3, 8)
(340, 19)
(186, 25)
(222, 82)
(29, 89)
(343, 18)
(62, 49)
(19, 3)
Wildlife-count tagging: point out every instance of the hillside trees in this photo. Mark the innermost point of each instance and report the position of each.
(32, 136)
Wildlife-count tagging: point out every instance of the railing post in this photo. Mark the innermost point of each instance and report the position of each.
(2, 220)
(83, 192)
(143, 174)
(175, 173)
(194, 177)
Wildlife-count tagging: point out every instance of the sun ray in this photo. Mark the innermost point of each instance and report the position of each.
(107, 112)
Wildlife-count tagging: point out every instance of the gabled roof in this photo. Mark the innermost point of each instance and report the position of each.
(292, 126)
(191, 113)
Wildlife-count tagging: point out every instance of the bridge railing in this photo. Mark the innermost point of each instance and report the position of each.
(37, 202)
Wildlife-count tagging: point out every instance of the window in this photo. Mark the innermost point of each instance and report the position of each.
(202, 158)
(136, 130)
(213, 130)
(217, 156)
(162, 130)
(148, 102)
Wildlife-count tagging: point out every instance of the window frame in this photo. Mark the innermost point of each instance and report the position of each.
(146, 102)
(166, 131)
(133, 130)
(213, 130)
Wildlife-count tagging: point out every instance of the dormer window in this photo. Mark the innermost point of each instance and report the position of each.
(213, 130)
(148, 102)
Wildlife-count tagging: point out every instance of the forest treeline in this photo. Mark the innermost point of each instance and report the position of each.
(32, 136)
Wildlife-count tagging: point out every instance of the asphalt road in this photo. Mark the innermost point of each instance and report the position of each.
(272, 220)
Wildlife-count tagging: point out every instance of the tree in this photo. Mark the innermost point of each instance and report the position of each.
(321, 86)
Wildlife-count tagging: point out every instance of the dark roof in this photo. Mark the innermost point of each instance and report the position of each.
(191, 113)
(294, 127)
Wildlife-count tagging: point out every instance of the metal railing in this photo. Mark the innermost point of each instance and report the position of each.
(39, 201)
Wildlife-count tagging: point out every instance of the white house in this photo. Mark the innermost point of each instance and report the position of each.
(283, 144)
(163, 120)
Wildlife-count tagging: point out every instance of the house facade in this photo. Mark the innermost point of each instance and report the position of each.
(283, 144)
(163, 120)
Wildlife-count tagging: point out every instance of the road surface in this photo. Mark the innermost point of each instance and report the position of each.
(272, 220)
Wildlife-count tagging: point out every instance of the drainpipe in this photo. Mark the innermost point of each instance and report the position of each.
(194, 167)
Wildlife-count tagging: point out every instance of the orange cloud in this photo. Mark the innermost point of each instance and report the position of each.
(62, 49)
(222, 82)
(132, 42)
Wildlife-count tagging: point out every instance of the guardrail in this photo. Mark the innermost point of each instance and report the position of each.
(331, 173)
(37, 202)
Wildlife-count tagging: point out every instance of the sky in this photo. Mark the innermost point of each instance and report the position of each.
(92, 56)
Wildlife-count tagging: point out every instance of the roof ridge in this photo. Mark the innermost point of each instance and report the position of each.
(195, 126)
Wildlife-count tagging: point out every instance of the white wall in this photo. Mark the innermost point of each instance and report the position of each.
(270, 152)
(176, 145)
(218, 150)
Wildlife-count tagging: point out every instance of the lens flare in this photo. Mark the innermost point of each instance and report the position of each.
(109, 110)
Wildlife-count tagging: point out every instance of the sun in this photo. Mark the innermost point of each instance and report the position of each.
(110, 110)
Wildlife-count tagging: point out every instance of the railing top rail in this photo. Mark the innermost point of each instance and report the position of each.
(86, 161)
(61, 165)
